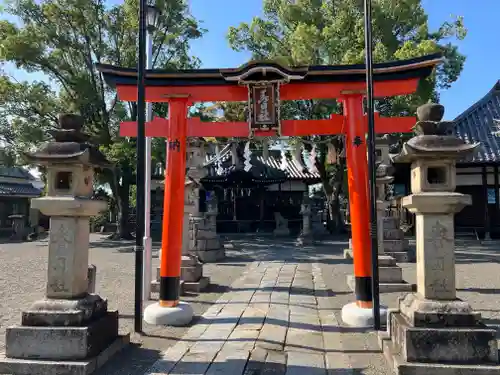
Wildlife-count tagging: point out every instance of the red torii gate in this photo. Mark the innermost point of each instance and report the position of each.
(264, 85)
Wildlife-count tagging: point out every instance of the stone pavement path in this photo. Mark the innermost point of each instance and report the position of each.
(277, 319)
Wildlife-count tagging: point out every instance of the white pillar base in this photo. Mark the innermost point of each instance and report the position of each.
(178, 316)
(355, 316)
(147, 243)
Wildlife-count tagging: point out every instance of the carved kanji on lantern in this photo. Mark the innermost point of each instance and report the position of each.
(264, 107)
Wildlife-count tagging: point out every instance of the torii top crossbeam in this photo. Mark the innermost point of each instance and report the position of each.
(322, 81)
(278, 83)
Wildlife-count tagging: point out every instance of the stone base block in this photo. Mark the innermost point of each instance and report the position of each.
(402, 256)
(402, 286)
(438, 337)
(402, 367)
(386, 261)
(209, 256)
(178, 316)
(196, 286)
(391, 246)
(45, 367)
(65, 312)
(192, 273)
(206, 245)
(458, 345)
(421, 312)
(62, 343)
(383, 260)
(385, 287)
(393, 234)
(390, 274)
(355, 316)
(391, 222)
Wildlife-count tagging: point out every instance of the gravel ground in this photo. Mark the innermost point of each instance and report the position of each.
(478, 282)
(22, 281)
(23, 277)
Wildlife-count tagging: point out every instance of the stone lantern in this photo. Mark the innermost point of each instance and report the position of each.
(432, 331)
(69, 324)
(390, 274)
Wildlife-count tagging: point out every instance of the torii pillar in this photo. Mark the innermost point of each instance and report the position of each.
(169, 310)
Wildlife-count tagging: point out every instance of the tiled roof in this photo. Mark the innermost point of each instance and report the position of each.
(25, 190)
(262, 169)
(15, 172)
(479, 123)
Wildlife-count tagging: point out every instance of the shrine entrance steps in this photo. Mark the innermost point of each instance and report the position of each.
(276, 319)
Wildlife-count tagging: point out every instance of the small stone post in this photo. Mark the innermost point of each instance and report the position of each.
(306, 235)
(432, 331)
(18, 227)
(69, 329)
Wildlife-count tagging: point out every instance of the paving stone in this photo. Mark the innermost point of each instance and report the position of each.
(256, 361)
(275, 363)
(194, 364)
(206, 346)
(272, 337)
(300, 363)
(242, 340)
(304, 340)
(229, 362)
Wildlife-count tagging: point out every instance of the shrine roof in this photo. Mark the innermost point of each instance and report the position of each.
(16, 172)
(481, 123)
(419, 67)
(19, 190)
(263, 170)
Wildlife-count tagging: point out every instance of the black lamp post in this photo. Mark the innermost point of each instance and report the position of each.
(371, 163)
(141, 166)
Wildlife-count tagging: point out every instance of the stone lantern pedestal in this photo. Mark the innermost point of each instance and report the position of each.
(69, 331)
(204, 242)
(191, 267)
(192, 279)
(432, 331)
(390, 274)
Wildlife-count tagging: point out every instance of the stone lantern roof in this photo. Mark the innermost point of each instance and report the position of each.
(434, 138)
(70, 146)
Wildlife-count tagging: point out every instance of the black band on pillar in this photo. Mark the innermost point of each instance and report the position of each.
(363, 288)
(169, 288)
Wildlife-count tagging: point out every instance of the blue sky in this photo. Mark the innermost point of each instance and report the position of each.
(481, 46)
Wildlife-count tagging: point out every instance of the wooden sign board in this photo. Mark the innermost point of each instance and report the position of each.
(264, 107)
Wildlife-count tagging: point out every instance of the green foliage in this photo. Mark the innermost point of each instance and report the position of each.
(64, 39)
(331, 32)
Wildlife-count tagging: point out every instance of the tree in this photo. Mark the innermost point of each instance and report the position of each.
(63, 39)
(315, 32)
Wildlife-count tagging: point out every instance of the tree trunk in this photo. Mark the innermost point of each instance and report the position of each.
(335, 223)
(332, 187)
(122, 194)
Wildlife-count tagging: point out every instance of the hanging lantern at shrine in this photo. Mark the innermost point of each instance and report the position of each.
(246, 154)
(312, 160)
(331, 157)
(284, 161)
